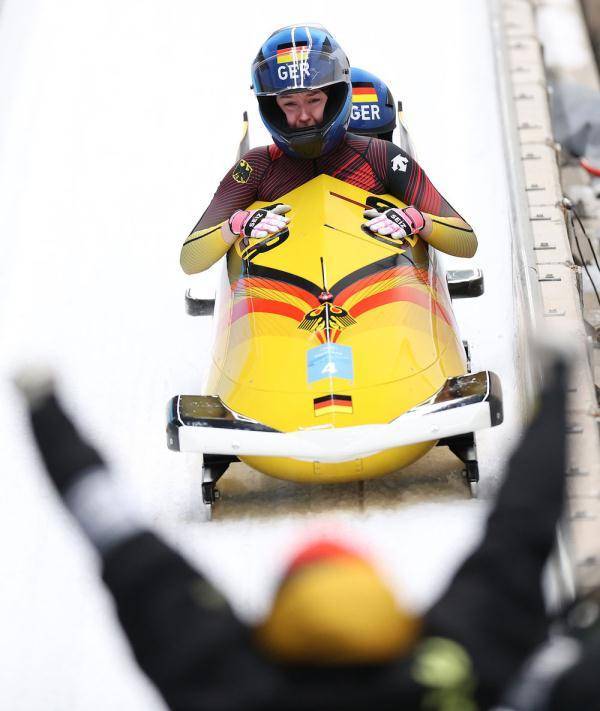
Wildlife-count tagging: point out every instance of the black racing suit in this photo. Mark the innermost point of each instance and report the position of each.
(266, 173)
(475, 637)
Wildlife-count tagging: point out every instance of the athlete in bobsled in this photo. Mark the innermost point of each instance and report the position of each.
(301, 78)
(336, 355)
(373, 111)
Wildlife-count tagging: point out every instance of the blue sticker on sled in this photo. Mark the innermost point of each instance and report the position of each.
(329, 360)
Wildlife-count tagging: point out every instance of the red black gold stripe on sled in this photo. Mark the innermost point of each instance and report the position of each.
(326, 404)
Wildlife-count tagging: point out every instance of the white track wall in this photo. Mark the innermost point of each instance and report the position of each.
(118, 120)
(545, 276)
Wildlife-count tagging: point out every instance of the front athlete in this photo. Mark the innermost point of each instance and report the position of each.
(301, 78)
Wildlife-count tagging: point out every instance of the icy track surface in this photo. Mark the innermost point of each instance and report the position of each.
(118, 121)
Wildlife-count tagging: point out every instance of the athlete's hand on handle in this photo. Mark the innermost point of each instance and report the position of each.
(259, 223)
(395, 222)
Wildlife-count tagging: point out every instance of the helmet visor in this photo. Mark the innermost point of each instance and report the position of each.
(298, 68)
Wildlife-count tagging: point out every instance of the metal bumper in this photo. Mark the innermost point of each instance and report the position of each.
(464, 404)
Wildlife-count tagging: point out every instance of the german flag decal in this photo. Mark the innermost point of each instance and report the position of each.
(292, 52)
(326, 404)
(363, 92)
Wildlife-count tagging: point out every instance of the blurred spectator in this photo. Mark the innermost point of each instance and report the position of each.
(336, 638)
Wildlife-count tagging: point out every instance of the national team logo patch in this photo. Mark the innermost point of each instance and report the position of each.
(292, 52)
(363, 92)
(242, 171)
(327, 404)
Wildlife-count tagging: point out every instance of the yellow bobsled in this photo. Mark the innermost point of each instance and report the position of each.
(337, 356)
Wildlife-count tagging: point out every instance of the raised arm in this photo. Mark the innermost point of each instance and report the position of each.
(494, 606)
(181, 629)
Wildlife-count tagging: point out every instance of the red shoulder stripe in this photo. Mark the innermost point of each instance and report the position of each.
(275, 152)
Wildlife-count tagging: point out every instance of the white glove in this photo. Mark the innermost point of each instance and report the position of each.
(261, 222)
(395, 222)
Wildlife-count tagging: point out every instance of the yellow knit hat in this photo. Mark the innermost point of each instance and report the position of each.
(332, 607)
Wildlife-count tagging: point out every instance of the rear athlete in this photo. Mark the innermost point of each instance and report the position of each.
(301, 78)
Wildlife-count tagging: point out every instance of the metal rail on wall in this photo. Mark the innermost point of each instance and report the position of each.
(546, 280)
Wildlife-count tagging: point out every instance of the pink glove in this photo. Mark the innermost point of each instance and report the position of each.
(261, 222)
(395, 222)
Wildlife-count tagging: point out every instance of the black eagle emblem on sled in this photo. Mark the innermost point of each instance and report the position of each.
(336, 317)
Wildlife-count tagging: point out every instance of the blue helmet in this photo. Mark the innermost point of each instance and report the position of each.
(302, 58)
(373, 111)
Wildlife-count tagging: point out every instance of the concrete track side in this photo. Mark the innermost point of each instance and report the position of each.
(543, 259)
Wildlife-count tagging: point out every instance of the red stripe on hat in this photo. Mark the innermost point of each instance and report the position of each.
(320, 551)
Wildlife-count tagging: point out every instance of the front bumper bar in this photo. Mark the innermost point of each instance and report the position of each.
(202, 423)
